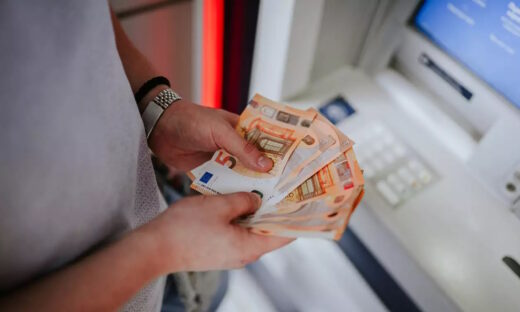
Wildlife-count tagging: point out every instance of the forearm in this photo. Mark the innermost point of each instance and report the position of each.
(102, 281)
(137, 68)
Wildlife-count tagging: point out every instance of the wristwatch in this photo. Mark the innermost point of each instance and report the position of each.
(156, 108)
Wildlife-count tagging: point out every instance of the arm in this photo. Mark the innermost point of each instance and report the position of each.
(99, 282)
(195, 234)
(177, 140)
(137, 68)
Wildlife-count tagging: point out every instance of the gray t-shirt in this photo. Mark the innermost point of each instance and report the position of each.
(75, 169)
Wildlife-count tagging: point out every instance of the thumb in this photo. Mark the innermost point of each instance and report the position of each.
(247, 153)
(239, 204)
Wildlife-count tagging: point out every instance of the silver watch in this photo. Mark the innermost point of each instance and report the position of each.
(156, 108)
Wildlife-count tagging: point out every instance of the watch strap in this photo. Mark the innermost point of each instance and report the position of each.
(156, 108)
(149, 85)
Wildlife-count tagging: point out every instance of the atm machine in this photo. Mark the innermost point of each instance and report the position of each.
(430, 93)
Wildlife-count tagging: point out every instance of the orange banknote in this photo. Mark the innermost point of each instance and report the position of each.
(284, 187)
(272, 128)
(329, 226)
(331, 187)
(321, 137)
(314, 185)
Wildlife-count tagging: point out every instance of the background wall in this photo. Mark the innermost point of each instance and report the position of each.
(162, 30)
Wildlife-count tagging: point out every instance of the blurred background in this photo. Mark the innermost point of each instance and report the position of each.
(429, 92)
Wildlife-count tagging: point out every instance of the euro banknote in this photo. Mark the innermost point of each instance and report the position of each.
(275, 130)
(328, 188)
(314, 185)
(331, 225)
(284, 186)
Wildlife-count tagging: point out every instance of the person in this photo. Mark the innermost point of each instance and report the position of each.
(83, 225)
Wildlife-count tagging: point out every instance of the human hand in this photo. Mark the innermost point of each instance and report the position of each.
(187, 134)
(196, 234)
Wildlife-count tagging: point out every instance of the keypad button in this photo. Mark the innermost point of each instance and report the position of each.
(406, 175)
(399, 188)
(393, 179)
(416, 185)
(406, 193)
(381, 152)
(425, 176)
(387, 192)
(415, 165)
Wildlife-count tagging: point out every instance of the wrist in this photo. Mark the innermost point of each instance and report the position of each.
(166, 249)
(169, 125)
(156, 108)
(149, 245)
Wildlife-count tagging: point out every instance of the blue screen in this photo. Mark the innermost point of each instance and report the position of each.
(484, 35)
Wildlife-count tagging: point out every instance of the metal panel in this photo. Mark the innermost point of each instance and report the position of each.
(344, 27)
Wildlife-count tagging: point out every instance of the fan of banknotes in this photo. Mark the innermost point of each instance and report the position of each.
(315, 183)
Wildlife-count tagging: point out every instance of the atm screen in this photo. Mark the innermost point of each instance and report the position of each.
(484, 35)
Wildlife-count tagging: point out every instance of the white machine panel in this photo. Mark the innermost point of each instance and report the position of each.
(442, 169)
(454, 228)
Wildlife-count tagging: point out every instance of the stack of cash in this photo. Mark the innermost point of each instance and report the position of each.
(315, 182)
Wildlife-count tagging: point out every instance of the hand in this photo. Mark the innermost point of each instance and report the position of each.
(196, 234)
(187, 134)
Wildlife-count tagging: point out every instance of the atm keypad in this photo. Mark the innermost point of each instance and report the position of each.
(395, 171)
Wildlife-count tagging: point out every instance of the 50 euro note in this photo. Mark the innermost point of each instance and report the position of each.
(329, 188)
(320, 212)
(286, 186)
(318, 140)
(329, 223)
(319, 207)
(275, 130)
(329, 226)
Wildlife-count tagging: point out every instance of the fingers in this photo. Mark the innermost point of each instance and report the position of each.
(232, 206)
(257, 245)
(269, 243)
(196, 160)
(228, 139)
(229, 117)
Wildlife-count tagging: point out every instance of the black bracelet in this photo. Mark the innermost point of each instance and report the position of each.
(149, 85)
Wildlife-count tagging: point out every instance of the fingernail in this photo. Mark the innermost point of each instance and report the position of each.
(257, 198)
(264, 162)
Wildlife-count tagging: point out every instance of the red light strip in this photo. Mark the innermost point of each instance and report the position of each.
(212, 52)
